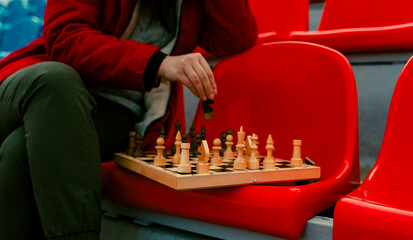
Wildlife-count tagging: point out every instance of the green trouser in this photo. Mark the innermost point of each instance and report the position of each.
(49, 156)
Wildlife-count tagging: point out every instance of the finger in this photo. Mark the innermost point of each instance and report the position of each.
(210, 74)
(196, 81)
(203, 76)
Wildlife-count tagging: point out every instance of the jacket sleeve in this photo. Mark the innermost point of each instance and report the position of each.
(229, 27)
(73, 35)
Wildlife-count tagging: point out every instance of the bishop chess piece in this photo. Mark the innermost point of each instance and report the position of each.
(177, 144)
(269, 161)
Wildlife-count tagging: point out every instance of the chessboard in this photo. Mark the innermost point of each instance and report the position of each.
(222, 175)
(191, 167)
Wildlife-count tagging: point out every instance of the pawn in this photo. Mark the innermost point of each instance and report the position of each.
(177, 144)
(269, 161)
(159, 158)
(229, 154)
(216, 159)
(184, 165)
(296, 160)
(252, 162)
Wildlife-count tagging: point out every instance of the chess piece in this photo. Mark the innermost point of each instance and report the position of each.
(296, 160)
(224, 147)
(269, 160)
(252, 162)
(162, 134)
(216, 158)
(240, 163)
(248, 144)
(178, 141)
(159, 158)
(132, 144)
(203, 133)
(198, 142)
(229, 154)
(184, 138)
(184, 166)
(138, 142)
(192, 141)
(177, 128)
(203, 163)
(254, 140)
(208, 114)
(231, 132)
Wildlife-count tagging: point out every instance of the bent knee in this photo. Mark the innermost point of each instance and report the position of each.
(58, 75)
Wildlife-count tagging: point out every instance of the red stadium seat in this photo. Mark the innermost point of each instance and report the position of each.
(363, 25)
(277, 18)
(381, 208)
(288, 89)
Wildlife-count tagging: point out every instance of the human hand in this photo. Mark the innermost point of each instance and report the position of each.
(193, 71)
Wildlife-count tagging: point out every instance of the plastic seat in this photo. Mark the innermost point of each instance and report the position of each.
(288, 89)
(20, 33)
(381, 208)
(277, 18)
(363, 25)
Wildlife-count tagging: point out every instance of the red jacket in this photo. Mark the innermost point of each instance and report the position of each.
(85, 35)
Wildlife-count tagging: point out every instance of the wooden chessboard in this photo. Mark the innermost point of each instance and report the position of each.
(222, 175)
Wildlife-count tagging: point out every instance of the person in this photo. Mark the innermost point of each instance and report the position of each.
(68, 99)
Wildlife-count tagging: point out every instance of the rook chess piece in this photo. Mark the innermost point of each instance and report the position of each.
(177, 155)
(184, 166)
(216, 159)
(269, 161)
(159, 158)
(296, 160)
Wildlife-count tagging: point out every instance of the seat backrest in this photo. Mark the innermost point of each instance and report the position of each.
(291, 90)
(280, 16)
(339, 14)
(391, 175)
